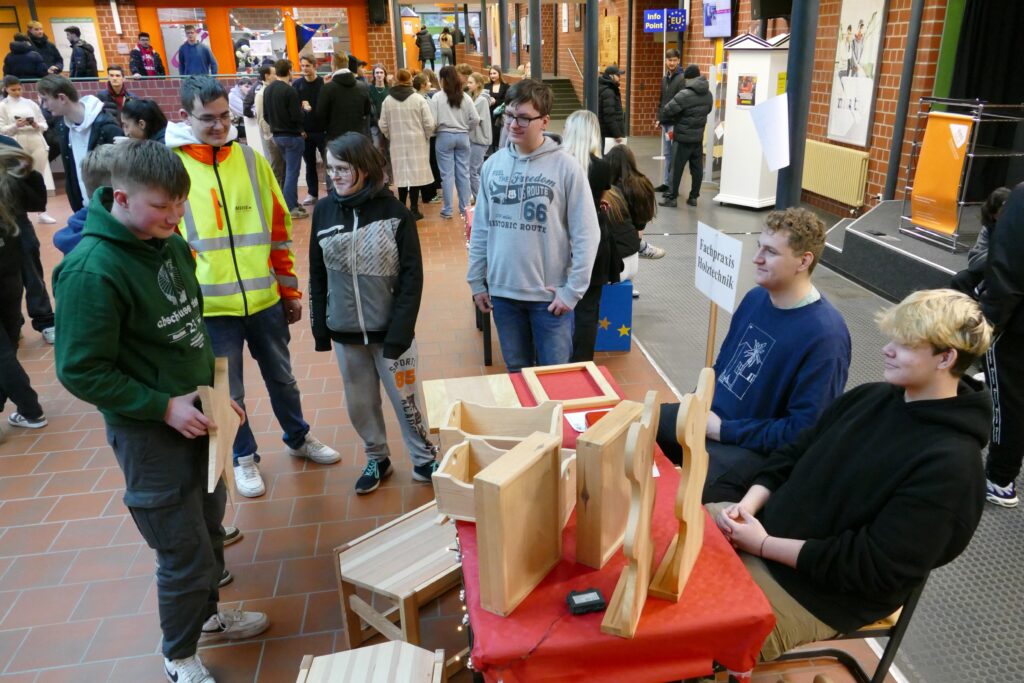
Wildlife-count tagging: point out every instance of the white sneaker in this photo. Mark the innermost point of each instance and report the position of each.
(316, 451)
(187, 670)
(648, 250)
(47, 218)
(49, 335)
(248, 481)
(233, 625)
(308, 200)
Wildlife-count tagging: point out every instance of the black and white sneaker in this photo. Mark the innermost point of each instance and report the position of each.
(19, 420)
(232, 534)
(423, 472)
(374, 472)
(187, 670)
(225, 579)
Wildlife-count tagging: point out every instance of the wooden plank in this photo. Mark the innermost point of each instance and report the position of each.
(499, 426)
(519, 526)
(607, 396)
(485, 390)
(217, 406)
(602, 489)
(394, 662)
(374, 618)
(691, 431)
(307, 662)
(453, 479)
(627, 603)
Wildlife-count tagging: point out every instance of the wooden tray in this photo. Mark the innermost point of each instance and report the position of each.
(453, 479)
(502, 427)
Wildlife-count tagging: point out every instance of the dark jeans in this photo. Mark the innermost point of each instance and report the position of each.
(315, 142)
(267, 336)
(292, 147)
(413, 193)
(37, 300)
(165, 492)
(584, 333)
(423, 62)
(530, 335)
(683, 153)
(1004, 368)
(731, 469)
(14, 381)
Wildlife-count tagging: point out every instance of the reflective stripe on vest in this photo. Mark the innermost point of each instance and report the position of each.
(229, 288)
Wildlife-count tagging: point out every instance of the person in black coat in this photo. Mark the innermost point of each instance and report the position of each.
(83, 55)
(144, 60)
(425, 42)
(496, 89)
(344, 105)
(609, 104)
(23, 61)
(52, 58)
(688, 113)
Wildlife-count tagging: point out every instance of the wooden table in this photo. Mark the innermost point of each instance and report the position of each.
(722, 616)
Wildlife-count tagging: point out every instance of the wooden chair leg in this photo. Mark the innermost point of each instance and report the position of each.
(409, 613)
(488, 360)
(353, 625)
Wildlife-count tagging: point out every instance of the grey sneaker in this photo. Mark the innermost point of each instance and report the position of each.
(187, 670)
(248, 481)
(49, 334)
(299, 212)
(648, 250)
(19, 420)
(233, 625)
(316, 450)
(232, 534)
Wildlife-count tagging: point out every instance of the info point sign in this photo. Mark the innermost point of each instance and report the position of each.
(664, 20)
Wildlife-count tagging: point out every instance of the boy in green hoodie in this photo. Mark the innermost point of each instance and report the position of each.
(133, 343)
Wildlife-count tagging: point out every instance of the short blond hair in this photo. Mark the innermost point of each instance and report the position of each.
(943, 318)
(805, 231)
(33, 24)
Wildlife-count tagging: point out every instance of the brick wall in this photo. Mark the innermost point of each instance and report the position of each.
(114, 43)
(382, 44)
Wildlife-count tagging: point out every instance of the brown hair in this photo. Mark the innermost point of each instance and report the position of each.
(54, 85)
(452, 86)
(533, 91)
(636, 187)
(403, 77)
(357, 150)
(806, 232)
(147, 163)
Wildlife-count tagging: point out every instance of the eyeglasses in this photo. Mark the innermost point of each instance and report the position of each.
(210, 121)
(521, 121)
(340, 172)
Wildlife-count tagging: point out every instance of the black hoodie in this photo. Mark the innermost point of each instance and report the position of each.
(48, 51)
(883, 491)
(24, 62)
(401, 92)
(344, 105)
(688, 111)
(1003, 296)
(609, 108)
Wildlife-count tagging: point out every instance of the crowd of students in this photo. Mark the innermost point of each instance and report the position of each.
(151, 289)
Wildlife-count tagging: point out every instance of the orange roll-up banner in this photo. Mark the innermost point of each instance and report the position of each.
(933, 201)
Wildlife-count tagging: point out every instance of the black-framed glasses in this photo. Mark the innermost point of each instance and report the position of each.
(210, 121)
(521, 121)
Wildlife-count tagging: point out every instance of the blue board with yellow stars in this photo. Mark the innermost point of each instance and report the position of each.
(615, 317)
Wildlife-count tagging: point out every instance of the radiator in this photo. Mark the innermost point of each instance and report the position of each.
(839, 173)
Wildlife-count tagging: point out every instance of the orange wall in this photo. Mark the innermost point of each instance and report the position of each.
(45, 12)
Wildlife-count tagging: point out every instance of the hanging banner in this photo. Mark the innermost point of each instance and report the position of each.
(934, 199)
(261, 48)
(323, 44)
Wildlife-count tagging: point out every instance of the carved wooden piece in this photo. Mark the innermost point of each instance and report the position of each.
(216, 402)
(485, 390)
(691, 430)
(453, 479)
(503, 428)
(623, 613)
(394, 662)
(601, 485)
(519, 521)
(606, 397)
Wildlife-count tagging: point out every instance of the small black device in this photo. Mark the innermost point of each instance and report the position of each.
(585, 601)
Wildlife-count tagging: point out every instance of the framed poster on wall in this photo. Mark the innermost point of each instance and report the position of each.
(577, 15)
(855, 73)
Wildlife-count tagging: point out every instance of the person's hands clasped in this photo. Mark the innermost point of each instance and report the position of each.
(557, 306)
(292, 310)
(742, 529)
(183, 416)
(483, 302)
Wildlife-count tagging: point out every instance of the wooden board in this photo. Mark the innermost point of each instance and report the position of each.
(485, 390)
(502, 427)
(394, 662)
(453, 479)
(602, 489)
(691, 431)
(607, 396)
(623, 613)
(216, 401)
(519, 522)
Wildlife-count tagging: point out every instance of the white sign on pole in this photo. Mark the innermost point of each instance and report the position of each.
(261, 48)
(771, 120)
(717, 273)
(323, 44)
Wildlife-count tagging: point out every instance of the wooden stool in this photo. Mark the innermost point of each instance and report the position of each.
(409, 561)
(386, 663)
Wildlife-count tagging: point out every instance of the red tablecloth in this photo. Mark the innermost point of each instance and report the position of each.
(722, 615)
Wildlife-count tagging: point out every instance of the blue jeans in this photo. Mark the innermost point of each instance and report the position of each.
(292, 147)
(666, 151)
(476, 162)
(530, 335)
(267, 335)
(453, 160)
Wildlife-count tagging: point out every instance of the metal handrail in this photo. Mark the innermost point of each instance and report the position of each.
(577, 64)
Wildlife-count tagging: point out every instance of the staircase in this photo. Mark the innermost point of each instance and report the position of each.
(565, 101)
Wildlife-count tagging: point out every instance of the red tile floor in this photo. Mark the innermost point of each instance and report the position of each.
(77, 592)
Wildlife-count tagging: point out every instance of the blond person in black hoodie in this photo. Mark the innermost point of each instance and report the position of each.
(842, 524)
(365, 285)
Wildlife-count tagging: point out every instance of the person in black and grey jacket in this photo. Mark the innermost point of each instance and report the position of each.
(365, 285)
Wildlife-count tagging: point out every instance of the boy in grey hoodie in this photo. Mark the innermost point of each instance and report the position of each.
(534, 238)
